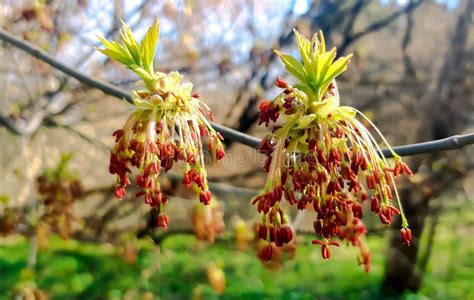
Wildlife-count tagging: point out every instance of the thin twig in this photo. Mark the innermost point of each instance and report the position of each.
(453, 142)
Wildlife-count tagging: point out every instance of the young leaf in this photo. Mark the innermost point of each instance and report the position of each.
(148, 45)
(292, 65)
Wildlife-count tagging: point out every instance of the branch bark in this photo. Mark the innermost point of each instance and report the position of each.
(454, 142)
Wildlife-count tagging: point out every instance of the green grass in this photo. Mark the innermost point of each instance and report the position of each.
(177, 270)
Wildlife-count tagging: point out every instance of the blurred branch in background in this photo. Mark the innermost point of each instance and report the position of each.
(454, 142)
(350, 37)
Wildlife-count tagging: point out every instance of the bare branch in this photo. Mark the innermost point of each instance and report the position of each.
(376, 26)
(454, 142)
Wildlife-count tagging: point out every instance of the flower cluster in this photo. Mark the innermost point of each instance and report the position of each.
(208, 221)
(168, 126)
(275, 253)
(322, 157)
(9, 219)
(59, 189)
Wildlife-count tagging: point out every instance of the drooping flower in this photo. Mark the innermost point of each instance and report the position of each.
(169, 125)
(59, 189)
(208, 221)
(322, 157)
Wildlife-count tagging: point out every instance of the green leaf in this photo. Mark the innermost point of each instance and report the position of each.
(305, 121)
(337, 68)
(4, 199)
(307, 90)
(343, 113)
(130, 42)
(292, 65)
(325, 107)
(317, 69)
(148, 45)
(304, 46)
(326, 61)
(115, 51)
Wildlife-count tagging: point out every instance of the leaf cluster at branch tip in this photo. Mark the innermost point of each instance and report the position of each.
(138, 57)
(317, 69)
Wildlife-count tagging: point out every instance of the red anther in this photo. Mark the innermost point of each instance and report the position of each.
(205, 197)
(148, 199)
(406, 169)
(267, 164)
(331, 189)
(220, 154)
(334, 155)
(325, 251)
(264, 105)
(212, 143)
(393, 210)
(357, 210)
(374, 204)
(287, 233)
(321, 157)
(317, 242)
(387, 176)
(140, 179)
(163, 199)
(330, 88)
(187, 179)
(266, 253)
(278, 237)
(290, 196)
(376, 175)
(364, 259)
(191, 158)
(385, 217)
(312, 145)
(406, 236)
(389, 192)
(281, 83)
(396, 169)
(262, 231)
(265, 146)
(203, 130)
(162, 220)
(370, 182)
(318, 228)
(119, 192)
(272, 233)
(195, 95)
(363, 196)
(211, 116)
(118, 134)
(363, 164)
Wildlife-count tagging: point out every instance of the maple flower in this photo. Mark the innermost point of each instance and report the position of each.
(168, 125)
(59, 189)
(320, 156)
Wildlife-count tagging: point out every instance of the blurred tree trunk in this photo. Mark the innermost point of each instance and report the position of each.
(444, 118)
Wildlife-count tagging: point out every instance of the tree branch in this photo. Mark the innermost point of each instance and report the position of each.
(454, 142)
(376, 26)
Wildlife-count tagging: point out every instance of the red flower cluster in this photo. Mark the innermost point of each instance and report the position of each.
(323, 165)
(59, 190)
(154, 145)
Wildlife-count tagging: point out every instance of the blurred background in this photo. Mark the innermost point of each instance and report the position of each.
(412, 73)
